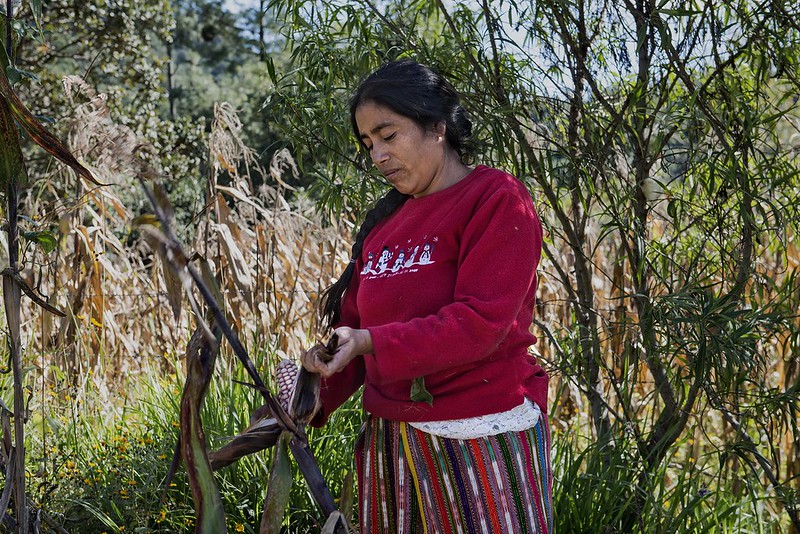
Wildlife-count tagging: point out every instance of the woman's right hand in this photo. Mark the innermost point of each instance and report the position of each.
(352, 343)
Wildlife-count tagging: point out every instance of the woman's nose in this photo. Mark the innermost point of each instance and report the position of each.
(379, 154)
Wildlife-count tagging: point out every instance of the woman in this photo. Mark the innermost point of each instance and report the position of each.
(433, 316)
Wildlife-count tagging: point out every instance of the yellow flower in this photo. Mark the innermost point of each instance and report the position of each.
(239, 527)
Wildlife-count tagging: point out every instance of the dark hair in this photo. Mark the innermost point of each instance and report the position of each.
(417, 92)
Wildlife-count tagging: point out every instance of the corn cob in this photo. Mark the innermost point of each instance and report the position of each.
(286, 377)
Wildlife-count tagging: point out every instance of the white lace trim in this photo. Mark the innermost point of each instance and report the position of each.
(519, 418)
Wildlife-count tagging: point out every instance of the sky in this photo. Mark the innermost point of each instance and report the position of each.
(236, 6)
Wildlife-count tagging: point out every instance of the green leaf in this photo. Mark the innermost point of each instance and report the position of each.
(672, 209)
(418, 391)
(347, 497)
(271, 70)
(13, 75)
(36, 8)
(145, 219)
(20, 74)
(278, 488)
(46, 240)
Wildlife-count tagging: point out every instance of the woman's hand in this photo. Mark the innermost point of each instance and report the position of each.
(352, 343)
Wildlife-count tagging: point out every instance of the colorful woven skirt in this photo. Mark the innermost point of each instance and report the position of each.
(414, 482)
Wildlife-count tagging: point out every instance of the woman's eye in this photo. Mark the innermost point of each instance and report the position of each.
(390, 137)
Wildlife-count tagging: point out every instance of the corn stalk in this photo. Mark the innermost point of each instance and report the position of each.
(13, 177)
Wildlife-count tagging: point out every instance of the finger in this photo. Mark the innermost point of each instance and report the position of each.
(310, 361)
(305, 360)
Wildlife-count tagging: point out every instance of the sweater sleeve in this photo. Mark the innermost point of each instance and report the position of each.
(335, 391)
(499, 251)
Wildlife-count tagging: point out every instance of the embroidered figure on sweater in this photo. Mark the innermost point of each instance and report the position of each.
(368, 266)
(383, 261)
(399, 262)
(425, 257)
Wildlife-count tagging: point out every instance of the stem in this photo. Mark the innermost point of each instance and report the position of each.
(12, 297)
(9, 41)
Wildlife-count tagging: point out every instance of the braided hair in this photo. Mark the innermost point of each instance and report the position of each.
(415, 91)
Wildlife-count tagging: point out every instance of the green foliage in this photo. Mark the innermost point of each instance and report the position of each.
(595, 489)
(101, 461)
(660, 145)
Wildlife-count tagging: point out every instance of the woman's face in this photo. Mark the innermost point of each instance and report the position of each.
(409, 156)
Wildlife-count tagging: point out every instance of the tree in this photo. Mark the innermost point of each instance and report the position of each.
(656, 139)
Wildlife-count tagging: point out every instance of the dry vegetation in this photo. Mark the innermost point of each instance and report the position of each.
(123, 311)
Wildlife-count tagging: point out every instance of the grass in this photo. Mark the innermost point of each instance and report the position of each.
(596, 491)
(98, 460)
(98, 465)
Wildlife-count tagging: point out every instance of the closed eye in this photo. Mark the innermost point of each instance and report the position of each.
(390, 137)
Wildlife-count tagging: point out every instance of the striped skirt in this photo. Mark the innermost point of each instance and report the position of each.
(411, 481)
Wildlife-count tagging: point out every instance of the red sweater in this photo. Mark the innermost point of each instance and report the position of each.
(446, 287)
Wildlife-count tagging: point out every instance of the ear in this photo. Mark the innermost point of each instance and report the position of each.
(439, 129)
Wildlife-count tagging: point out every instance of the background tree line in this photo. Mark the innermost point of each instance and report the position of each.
(659, 139)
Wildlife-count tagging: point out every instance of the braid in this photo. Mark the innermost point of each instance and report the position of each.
(331, 303)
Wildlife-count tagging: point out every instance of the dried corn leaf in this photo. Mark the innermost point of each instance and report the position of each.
(240, 271)
(247, 199)
(335, 524)
(261, 435)
(278, 488)
(173, 284)
(305, 401)
(11, 105)
(201, 355)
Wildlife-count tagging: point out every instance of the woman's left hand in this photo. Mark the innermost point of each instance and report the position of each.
(352, 343)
